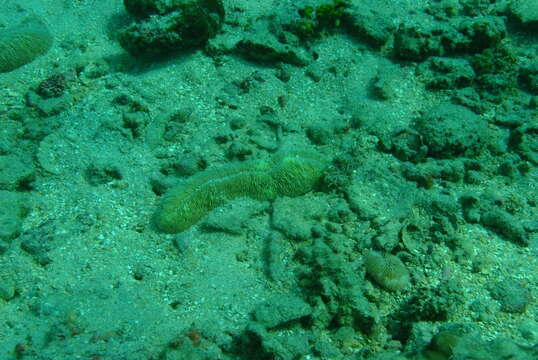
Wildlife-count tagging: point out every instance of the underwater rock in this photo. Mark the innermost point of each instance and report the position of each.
(524, 139)
(282, 310)
(451, 131)
(16, 172)
(442, 73)
(528, 77)
(506, 225)
(269, 50)
(13, 210)
(526, 12)
(418, 40)
(365, 21)
(166, 27)
(512, 294)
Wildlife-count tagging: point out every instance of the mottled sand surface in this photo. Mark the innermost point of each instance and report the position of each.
(420, 238)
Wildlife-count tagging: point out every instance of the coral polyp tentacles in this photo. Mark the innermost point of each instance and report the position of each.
(284, 174)
(22, 43)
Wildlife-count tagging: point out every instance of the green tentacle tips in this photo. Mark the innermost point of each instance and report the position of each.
(284, 174)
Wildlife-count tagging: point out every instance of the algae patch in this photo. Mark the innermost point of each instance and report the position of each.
(23, 43)
(284, 174)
